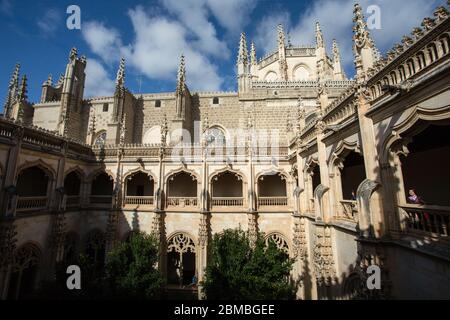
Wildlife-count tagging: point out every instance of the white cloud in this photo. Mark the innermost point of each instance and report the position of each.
(193, 14)
(335, 17)
(50, 21)
(265, 38)
(155, 50)
(103, 41)
(98, 82)
(232, 14)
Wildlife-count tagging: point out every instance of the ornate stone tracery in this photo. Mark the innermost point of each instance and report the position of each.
(181, 243)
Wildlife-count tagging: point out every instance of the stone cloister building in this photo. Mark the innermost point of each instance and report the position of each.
(321, 164)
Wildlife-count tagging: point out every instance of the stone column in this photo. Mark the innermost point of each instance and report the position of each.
(9, 195)
(322, 195)
(371, 223)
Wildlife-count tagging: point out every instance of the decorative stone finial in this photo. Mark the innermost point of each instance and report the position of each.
(243, 53)
(181, 77)
(73, 54)
(120, 79)
(281, 36)
(23, 90)
(253, 60)
(320, 43)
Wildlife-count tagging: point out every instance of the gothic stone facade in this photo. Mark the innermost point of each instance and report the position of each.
(321, 164)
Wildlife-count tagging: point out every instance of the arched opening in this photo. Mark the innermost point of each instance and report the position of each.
(153, 136)
(216, 100)
(95, 249)
(100, 139)
(72, 188)
(426, 178)
(279, 241)
(215, 137)
(313, 183)
(445, 43)
(432, 52)
(227, 190)
(272, 190)
(271, 76)
(421, 60)
(24, 272)
(180, 260)
(182, 190)
(352, 174)
(102, 189)
(140, 188)
(32, 189)
(301, 73)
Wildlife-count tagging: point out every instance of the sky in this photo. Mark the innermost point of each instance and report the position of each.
(151, 35)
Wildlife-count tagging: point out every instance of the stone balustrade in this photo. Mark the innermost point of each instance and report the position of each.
(182, 202)
(426, 219)
(349, 210)
(272, 201)
(139, 200)
(227, 201)
(31, 203)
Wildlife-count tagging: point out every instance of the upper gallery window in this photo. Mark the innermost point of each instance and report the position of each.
(105, 107)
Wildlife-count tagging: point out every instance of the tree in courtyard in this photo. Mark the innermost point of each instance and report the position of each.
(239, 270)
(131, 269)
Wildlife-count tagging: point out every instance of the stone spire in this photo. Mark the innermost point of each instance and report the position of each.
(337, 66)
(282, 53)
(120, 79)
(253, 62)
(320, 43)
(73, 54)
(60, 81)
(49, 81)
(324, 71)
(243, 52)
(13, 89)
(364, 48)
(181, 76)
(123, 130)
(243, 70)
(23, 90)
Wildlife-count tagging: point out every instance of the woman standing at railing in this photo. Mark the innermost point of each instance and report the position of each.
(413, 198)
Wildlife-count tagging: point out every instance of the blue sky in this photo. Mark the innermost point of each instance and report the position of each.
(151, 35)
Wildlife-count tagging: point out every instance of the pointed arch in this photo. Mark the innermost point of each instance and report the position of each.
(99, 171)
(280, 241)
(78, 170)
(47, 168)
(397, 133)
(180, 169)
(134, 171)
